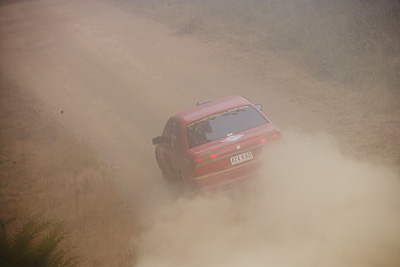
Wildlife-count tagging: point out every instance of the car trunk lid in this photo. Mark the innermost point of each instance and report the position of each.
(232, 150)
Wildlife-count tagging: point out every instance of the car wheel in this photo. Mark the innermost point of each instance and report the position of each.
(165, 176)
(184, 182)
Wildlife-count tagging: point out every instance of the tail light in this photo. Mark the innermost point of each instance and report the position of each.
(271, 137)
(275, 136)
(201, 160)
(204, 159)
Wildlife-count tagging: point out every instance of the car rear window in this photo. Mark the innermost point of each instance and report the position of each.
(223, 124)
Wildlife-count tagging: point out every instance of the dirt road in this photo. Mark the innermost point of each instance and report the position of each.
(116, 78)
(112, 80)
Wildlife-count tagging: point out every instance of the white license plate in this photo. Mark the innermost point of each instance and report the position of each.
(241, 158)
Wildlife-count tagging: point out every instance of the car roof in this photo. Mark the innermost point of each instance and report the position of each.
(221, 104)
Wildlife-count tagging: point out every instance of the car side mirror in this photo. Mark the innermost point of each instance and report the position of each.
(259, 106)
(159, 140)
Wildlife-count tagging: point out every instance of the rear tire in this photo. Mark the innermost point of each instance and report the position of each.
(183, 181)
(167, 180)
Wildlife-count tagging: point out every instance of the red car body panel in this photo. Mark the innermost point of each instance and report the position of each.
(221, 161)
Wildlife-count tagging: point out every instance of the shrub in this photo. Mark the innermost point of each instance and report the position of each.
(32, 246)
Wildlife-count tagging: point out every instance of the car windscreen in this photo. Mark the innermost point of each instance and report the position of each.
(223, 124)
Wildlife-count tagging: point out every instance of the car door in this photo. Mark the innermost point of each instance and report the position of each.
(165, 147)
(176, 148)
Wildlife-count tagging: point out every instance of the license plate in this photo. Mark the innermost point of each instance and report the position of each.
(241, 158)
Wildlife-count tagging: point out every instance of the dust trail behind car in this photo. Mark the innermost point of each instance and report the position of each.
(310, 206)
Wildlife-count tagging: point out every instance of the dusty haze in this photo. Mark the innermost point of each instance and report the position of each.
(86, 84)
(310, 206)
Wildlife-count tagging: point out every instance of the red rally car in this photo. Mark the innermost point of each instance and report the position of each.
(214, 144)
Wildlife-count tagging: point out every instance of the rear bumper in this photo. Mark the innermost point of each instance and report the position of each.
(226, 177)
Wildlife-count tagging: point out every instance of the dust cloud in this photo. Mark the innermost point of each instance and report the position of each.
(310, 206)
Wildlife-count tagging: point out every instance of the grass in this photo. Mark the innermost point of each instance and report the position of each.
(353, 42)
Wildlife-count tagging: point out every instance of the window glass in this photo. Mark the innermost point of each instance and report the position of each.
(223, 124)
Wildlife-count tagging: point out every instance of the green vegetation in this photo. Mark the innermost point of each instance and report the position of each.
(31, 247)
(354, 42)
